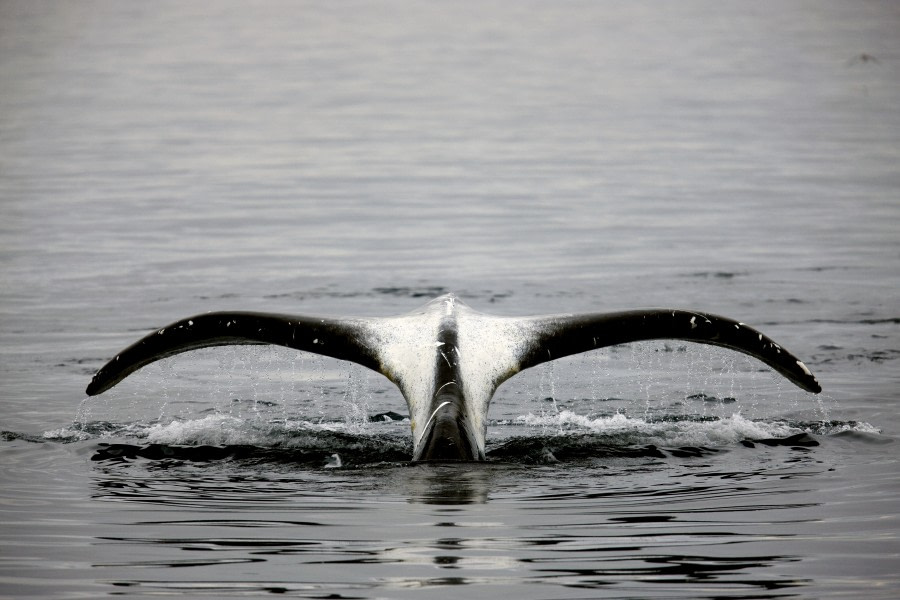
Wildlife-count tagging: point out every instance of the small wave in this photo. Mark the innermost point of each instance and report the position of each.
(717, 274)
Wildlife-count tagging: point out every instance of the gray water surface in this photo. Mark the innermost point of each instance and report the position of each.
(159, 160)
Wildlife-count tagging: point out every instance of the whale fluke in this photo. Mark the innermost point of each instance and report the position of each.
(337, 338)
(564, 335)
(446, 358)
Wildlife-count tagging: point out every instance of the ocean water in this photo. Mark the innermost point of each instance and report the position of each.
(159, 160)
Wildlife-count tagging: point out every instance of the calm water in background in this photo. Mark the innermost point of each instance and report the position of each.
(160, 160)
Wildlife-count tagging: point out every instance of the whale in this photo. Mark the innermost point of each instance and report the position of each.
(448, 359)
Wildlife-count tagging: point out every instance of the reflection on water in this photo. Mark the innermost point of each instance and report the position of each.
(447, 484)
(392, 528)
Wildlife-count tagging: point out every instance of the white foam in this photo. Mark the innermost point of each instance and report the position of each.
(612, 424)
(226, 430)
(214, 430)
(718, 432)
(65, 433)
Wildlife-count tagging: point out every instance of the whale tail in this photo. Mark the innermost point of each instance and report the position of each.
(448, 395)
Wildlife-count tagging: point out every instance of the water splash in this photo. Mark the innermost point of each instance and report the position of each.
(355, 402)
(298, 404)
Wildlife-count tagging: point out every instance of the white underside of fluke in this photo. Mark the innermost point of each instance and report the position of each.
(487, 354)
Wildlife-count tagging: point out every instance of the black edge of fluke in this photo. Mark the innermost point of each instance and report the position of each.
(337, 338)
(572, 334)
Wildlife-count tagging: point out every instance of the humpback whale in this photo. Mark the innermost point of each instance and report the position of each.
(448, 359)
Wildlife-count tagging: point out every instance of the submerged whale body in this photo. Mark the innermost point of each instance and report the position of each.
(448, 359)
